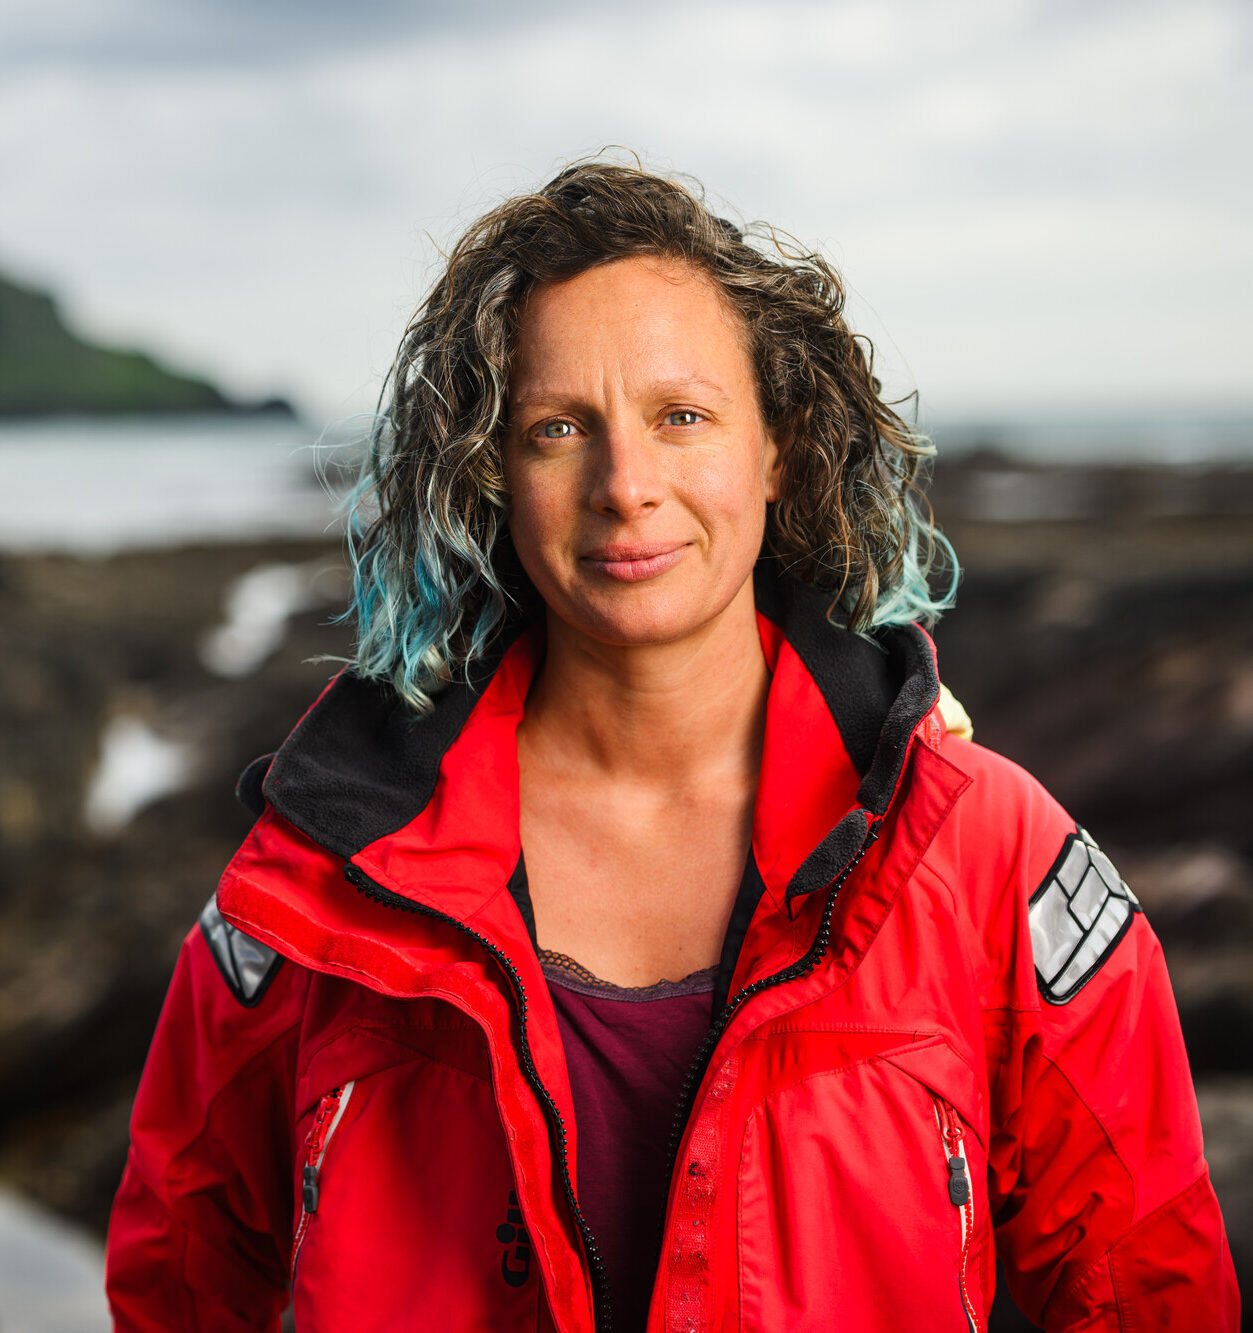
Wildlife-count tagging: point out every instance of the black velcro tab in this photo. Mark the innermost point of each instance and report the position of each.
(248, 789)
(247, 966)
(1077, 915)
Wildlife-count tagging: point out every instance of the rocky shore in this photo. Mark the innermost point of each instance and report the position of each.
(1110, 652)
(1107, 646)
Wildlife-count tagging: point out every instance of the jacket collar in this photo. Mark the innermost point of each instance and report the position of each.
(429, 805)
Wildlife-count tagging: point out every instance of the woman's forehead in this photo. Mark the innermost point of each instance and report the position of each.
(644, 317)
(639, 277)
(693, 385)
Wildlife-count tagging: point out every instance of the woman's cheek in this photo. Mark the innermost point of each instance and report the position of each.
(736, 502)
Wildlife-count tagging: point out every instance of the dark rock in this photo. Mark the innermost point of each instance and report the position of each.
(92, 921)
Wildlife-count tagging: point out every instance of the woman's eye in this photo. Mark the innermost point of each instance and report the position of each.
(556, 430)
(692, 417)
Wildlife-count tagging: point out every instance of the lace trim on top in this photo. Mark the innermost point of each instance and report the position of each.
(565, 971)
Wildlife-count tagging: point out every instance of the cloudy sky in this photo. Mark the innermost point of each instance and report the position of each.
(1039, 205)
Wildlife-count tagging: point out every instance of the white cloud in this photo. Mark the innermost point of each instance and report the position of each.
(1027, 194)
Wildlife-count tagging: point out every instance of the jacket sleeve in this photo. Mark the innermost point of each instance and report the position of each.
(1105, 1215)
(200, 1231)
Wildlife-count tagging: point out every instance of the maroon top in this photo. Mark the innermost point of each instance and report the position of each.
(628, 1050)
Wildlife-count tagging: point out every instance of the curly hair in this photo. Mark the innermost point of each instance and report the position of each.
(434, 573)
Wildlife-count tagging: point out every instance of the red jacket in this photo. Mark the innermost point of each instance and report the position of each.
(950, 1027)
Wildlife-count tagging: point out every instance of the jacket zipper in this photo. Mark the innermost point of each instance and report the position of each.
(330, 1112)
(960, 1195)
(802, 967)
(602, 1314)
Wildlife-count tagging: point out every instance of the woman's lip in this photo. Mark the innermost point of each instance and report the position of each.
(632, 551)
(632, 564)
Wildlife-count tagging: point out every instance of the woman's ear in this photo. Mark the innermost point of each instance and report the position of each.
(778, 442)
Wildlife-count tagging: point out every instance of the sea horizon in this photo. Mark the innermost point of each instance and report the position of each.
(96, 485)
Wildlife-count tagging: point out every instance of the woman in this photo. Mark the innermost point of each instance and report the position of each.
(722, 986)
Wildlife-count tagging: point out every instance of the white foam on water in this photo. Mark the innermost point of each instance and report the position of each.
(136, 766)
(258, 606)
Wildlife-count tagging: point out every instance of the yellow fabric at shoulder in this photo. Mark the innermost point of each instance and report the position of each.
(956, 719)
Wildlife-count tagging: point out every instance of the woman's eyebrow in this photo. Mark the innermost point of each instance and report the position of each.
(547, 397)
(674, 388)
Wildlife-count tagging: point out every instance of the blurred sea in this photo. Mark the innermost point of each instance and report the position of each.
(1103, 439)
(93, 486)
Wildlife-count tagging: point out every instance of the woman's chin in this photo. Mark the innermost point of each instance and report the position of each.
(642, 618)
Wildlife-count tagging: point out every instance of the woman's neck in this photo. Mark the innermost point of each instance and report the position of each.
(656, 714)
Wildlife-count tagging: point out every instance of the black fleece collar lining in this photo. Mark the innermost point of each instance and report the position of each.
(361, 765)
(877, 690)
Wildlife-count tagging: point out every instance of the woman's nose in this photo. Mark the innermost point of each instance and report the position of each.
(627, 479)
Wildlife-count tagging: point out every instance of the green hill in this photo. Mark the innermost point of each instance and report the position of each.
(46, 368)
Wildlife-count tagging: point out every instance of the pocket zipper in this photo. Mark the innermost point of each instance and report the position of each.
(961, 1196)
(330, 1112)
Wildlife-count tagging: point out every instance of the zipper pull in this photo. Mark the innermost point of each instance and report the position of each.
(309, 1194)
(314, 1143)
(958, 1180)
(958, 1185)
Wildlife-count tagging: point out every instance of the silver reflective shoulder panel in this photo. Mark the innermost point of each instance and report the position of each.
(1077, 917)
(246, 965)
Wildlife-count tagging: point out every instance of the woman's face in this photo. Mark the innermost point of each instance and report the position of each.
(637, 460)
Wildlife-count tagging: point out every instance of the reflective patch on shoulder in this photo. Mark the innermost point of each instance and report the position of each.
(1077, 917)
(247, 966)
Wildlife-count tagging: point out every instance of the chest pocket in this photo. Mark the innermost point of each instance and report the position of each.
(406, 1211)
(863, 1194)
